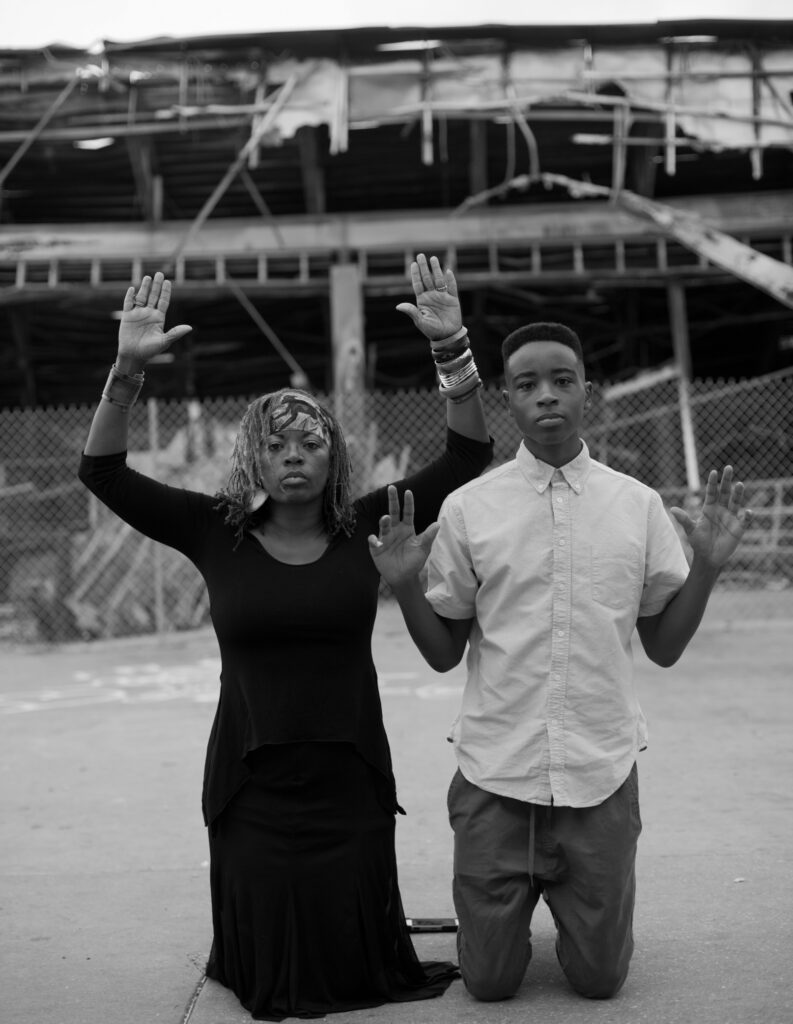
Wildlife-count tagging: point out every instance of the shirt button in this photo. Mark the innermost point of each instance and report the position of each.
(561, 543)
(560, 501)
(556, 676)
(560, 632)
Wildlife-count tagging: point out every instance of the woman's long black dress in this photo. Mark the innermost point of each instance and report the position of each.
(299, 794)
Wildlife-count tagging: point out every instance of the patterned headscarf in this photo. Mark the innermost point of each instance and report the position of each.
(289, 409)
(295, 410)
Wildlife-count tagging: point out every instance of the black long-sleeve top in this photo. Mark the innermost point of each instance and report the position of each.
(295, 640)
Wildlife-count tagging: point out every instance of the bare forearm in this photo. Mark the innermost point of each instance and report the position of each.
(468, 418)
(109, 427)
(440, 643)
(666, 635)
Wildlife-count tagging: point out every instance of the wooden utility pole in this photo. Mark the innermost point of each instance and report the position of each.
(347, 341)
(21, 334)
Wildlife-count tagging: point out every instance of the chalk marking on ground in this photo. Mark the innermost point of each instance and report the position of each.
(197, 682)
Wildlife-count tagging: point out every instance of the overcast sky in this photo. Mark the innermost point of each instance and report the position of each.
(35, 23)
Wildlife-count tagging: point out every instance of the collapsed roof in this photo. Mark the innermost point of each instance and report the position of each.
(250, 165)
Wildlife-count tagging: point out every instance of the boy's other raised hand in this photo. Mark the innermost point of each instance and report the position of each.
(717, 531)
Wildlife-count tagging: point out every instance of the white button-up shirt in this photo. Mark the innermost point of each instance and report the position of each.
(554, 566)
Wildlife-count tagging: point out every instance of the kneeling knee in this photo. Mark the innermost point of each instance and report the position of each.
(489, 982)
(490, 990)
(603, 984)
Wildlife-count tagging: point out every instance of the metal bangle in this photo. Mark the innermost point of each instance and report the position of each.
(120, 389)
(443, 342)
(138, 377)
(445, 355)
(452, 366)
(456, 374)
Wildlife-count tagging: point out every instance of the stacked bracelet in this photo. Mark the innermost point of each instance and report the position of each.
(454, 361)
(121, 389)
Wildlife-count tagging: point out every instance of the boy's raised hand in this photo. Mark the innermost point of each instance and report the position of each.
(398, 553)
(721, 523)
(437, 312)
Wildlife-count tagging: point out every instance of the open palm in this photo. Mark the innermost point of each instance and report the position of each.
(437, 312)
(398, 552)
(716, 532)
(140, 334)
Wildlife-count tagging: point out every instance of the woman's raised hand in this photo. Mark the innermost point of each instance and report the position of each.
(437, 312)
(397, 552)
(140, 334)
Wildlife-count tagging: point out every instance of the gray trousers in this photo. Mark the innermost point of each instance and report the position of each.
(507, 853)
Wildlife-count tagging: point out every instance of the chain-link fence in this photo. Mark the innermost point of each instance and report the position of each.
(70, 570)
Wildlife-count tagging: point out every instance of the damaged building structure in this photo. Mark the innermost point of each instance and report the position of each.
(632, 181)
(285, 180)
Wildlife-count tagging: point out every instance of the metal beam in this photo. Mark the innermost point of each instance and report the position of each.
(299, 377)
(36, 131)
(238, 163)
(769, 275)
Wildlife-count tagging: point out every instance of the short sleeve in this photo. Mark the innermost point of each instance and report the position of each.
(665, 565)
(452, 583)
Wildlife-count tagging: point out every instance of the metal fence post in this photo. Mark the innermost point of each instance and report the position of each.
(679, 322)
(156, 549)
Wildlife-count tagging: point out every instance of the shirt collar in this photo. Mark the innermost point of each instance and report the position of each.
(539, 474)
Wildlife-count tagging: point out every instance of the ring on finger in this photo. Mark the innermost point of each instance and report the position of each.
(140, 302)
(441, 287)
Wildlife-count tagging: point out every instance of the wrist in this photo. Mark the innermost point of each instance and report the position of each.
(450, 342)
(450, 338)
(129, 364)
(123, 386)
(408, 587)
(703, 570)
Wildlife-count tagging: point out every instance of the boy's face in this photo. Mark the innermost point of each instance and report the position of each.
(547, 396)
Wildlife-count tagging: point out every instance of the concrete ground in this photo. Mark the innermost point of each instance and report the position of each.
(103, 855)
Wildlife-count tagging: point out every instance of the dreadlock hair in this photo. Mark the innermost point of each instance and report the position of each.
(246, 469)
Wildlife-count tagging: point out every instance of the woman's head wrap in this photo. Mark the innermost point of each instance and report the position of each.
(287, 409)
(296, 410)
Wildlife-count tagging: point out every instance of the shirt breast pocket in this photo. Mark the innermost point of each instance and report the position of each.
(615, 577)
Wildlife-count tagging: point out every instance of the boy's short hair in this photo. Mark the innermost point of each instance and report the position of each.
(541, 332)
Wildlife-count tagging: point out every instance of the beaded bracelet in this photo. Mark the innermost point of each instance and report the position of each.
(455, 342)
(121, 389)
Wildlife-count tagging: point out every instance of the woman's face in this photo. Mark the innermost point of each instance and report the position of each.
(295, 466)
